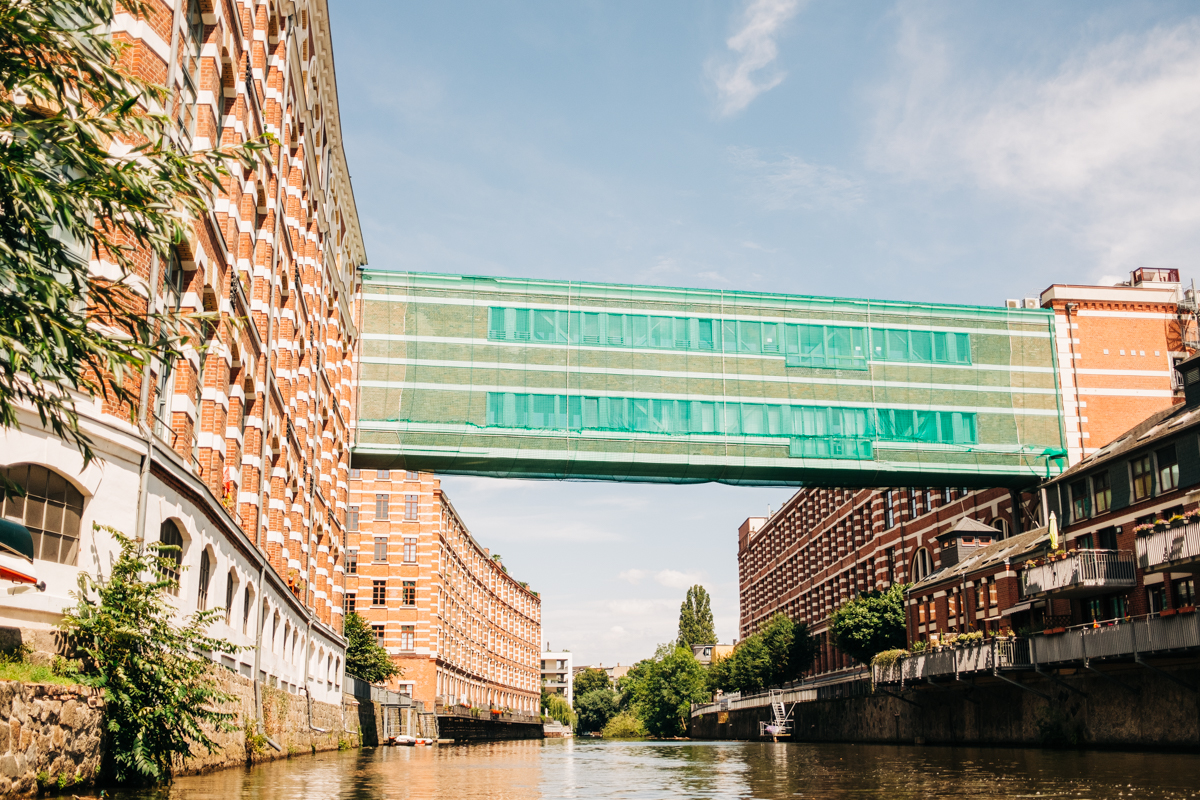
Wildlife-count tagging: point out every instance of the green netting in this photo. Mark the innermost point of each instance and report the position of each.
(556, 379)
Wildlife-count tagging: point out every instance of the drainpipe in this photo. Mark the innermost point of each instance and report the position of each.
(1070, 308)
(143, 402)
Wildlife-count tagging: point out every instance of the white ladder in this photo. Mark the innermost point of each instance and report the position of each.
(781, 718)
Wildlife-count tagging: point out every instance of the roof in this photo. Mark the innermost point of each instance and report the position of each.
(1164, 424)
(1012, 548)
(968, 525)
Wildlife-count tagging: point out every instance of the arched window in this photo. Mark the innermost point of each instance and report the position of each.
(51, 510)
(230, 584)
(246, 607)
(922, 565)
(205, 571)
(170, 569)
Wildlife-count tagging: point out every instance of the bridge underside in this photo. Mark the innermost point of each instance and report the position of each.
(543, 379)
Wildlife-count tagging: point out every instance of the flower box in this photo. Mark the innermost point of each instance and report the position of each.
(1186, 610)
(1167, 612)
(1053, 631)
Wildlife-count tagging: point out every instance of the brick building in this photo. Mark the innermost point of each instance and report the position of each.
(237, 453)
(443, 606)
(826, 545)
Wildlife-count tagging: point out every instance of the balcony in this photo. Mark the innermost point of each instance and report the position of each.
(1174, 549)
(954, 662)
(1080, 574)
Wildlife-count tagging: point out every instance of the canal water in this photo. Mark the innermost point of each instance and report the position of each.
(598, 770)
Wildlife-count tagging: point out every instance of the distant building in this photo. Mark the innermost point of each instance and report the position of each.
(709, 653)
(557, 674)
(441, 604)
(614, 673)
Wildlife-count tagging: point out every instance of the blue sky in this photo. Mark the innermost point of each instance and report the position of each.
(951, 152)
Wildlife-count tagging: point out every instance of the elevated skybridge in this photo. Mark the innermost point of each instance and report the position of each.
(558, 379)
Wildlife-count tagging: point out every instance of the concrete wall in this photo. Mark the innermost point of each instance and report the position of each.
(1131, 707)
(469, 729)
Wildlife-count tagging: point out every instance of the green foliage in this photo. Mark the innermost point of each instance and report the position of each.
(159, 697)
(782, 651)
(595, 709)
(888, 657)
(666, 688)
(696, 619)
(627, 683)
(624, 725)
(870, 623)
(36, 673)
(66, 197)
(589, 680)
(365, 659)
(557, 707)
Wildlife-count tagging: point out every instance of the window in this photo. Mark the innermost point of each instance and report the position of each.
(383, 475)
(171, 565)
(1156, 598)
(352, 561)
(51, 510)
(1101, 492)
(1143, 477)
(246, 612)
(914, 507)
(381, 506)
(889, 514)
(1184, 592)
(1107, 538)
(352, 518)
(380, 550)
(378, 631)
(922, 565)
(193, 41)
(229, 585)
(947, 495)
(981, 596)
(378, 593)
(202, 592)
(412, 476)
(992, 595)
(1080, 508)
(410, 551)
(348, 602)
(1168, 469)
(409, 596)
(355, 474)
(407, 634)
(410, 506)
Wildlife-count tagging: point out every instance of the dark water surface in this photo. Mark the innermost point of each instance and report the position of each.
(597, 769)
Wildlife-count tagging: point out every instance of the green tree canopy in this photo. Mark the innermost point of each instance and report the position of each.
(365, 659)
(666, 690)
(782, 651)
(67, 196)
(160, 699)
(557, 707)
(696, 619)
(870, 623)
(589, 680)
(595, 709)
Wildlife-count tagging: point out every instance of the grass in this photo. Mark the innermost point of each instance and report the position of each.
(32, 673)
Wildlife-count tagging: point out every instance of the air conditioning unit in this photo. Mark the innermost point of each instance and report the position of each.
(1012, 303)
(1032, 302)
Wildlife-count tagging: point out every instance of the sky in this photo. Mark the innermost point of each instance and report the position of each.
(948, 152)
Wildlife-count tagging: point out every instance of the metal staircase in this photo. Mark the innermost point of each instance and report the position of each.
(781, 718)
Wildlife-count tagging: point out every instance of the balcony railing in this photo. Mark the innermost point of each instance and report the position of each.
(1152, 635)
(1080, 573)
(1163, 549)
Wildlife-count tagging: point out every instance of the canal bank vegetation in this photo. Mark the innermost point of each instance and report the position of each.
(781, 651)
(870, 623)
(160, 696)
(556, 707)
(365, 659)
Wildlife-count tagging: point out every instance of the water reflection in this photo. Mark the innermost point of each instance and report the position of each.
(594, 770)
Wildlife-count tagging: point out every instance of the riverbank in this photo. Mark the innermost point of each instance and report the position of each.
(1115, 706)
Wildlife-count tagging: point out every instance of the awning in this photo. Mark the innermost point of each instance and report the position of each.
(1017, 609)
(16, 554)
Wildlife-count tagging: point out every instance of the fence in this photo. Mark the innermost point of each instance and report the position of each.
(853, 684)
(1080, 568)
(988, 656)
(1162, 548)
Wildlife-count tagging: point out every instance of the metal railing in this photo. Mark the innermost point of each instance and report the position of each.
(956, 661)
(1099, 569)
(854, 683)
(1163, 548)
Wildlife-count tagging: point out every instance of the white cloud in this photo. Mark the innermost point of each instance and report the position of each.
(791, 183)
(633, 575)
(674, 579)
(1102, 147)
(753, 49)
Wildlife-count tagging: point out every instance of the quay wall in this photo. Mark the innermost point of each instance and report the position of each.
(472, 729)
(1123, 707)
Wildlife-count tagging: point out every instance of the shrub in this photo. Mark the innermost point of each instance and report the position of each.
(624, 726)
(870, 623)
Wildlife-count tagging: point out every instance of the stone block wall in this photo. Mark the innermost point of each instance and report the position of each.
(48, 734)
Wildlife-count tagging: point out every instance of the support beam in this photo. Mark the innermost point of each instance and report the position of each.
(1020, 685)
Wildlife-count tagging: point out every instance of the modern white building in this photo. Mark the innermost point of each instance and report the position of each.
(557, 675)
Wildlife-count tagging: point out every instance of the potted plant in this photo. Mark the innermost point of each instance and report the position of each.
(1189, 609)
(1145, 529)
(1176, 521)
(1168, 612)
(1160, 525)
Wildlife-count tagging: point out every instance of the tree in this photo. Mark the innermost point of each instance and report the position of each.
(558, 708)
(87, 171)
(595, 709)
(160, 698)
(365, 659)
(696, 619)
(589, 680)
(782, 651)
(667, 689)
(870, 623)
(624, 725)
